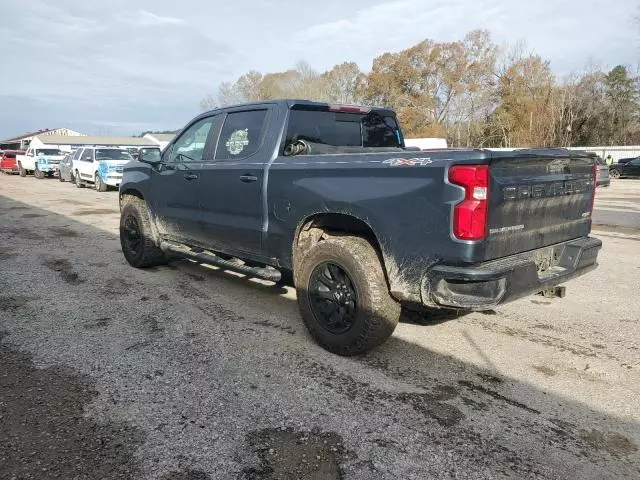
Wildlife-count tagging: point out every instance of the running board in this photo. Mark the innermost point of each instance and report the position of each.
(270, 274)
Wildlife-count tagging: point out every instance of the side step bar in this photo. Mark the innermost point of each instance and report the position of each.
(270, 274)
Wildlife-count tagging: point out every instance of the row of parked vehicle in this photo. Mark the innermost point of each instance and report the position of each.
(99, 167)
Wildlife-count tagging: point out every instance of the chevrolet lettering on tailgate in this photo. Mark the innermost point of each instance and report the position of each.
(549, 189)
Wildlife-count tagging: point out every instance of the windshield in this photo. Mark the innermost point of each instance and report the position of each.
(48, 151)
(113, 155)
(341, 129)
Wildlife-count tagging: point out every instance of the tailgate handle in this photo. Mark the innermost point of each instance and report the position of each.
(248, 178)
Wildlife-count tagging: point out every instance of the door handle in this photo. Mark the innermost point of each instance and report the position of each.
(191, 176)
(248, 178)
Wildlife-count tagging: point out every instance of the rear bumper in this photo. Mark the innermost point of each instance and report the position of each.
(486, 285)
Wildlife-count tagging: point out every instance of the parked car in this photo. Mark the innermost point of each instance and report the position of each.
(8, 163)
(629, 168)
(65, 168)
(100, 167)
(326, 196)
(625, 160)
(602, 173)
(40, 162)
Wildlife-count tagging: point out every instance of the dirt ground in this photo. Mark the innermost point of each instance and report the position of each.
(186, 372)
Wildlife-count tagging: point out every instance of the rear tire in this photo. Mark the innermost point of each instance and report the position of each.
(21, 171)
(357, 313)
(136, 235)
(78, 181)
(99, 184)
(613, 173)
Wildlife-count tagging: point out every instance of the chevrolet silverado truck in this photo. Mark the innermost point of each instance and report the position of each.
(328, 198)
(41, 162)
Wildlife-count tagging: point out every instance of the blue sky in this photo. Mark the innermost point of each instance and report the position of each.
(121, 67)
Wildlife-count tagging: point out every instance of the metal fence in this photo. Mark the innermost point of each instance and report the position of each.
(615, 152)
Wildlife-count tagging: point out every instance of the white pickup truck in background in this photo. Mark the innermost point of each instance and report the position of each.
(100, 167)
(40, 162)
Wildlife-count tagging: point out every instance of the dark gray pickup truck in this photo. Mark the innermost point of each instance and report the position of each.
(327, 198)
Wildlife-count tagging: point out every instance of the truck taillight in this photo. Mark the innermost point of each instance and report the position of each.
(595, 185)
(470, 215)
(348, 108)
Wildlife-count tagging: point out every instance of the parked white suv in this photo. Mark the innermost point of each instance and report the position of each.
(100, 167)
(39, 161)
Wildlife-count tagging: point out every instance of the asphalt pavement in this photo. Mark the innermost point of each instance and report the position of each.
(186, 372)
(618, 205)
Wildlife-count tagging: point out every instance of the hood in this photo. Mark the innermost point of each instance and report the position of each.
(113, 163)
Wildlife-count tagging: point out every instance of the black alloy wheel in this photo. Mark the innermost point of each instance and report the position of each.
(333, 298)
(132, 236)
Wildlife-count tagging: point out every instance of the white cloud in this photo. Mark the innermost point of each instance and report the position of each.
(81, 62)
(149, 19)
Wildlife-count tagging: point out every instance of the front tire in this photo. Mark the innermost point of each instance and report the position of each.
(613, 173)
(38, 174)
(343, 295)
(99, 184)
(136, 235)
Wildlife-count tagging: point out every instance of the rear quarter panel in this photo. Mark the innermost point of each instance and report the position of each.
(407, 206)
(28, 163)
(8, 163)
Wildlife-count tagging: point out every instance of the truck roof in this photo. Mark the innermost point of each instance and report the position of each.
(291, 102)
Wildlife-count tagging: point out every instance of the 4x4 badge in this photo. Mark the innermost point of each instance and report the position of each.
(398, 162)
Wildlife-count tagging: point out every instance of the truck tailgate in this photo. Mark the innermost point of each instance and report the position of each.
(538, 198)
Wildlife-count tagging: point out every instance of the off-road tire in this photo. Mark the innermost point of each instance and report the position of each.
(99, 184)
(377, 313)
(22, 171)
(78, 181)
(613, 173)
(149, 254)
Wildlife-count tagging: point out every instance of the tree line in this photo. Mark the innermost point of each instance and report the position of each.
(472, 91)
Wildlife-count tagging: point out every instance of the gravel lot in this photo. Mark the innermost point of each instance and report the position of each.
(188, 372)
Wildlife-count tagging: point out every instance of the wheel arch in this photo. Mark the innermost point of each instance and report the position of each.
(313, 228)
(130, 191)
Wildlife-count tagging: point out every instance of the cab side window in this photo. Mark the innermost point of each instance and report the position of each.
(76, 154)
(190, 146)
(241, 135)
(87, 156)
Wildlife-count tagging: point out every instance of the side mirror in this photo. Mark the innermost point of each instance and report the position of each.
(150, 155)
